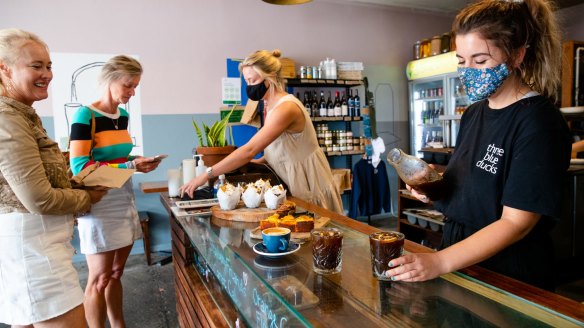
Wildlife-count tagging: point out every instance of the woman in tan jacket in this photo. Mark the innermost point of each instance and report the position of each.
(38, 283)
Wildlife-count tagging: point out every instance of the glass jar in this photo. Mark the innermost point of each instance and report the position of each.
(425, 48)
(328, 141)
(435, 44)
(445, 43)
(417, 49)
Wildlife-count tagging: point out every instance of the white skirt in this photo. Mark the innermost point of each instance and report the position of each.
(37, 278)
(113, 222)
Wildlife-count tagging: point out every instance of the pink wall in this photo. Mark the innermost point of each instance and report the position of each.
(183, 44)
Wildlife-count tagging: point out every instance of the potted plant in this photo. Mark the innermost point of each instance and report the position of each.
(213, 142)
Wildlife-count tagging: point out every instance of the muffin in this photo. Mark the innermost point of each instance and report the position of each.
(274, 196)
(228, 196)
(252, 195)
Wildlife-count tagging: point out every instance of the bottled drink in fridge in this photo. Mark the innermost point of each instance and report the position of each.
(415, 172)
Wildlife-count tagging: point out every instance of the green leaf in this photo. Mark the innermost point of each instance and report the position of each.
(199, 134)
(215, 134)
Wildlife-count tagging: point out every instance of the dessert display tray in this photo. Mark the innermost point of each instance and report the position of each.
(242, 213)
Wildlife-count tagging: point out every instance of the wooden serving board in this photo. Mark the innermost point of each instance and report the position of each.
(242, 213)
(297, 236)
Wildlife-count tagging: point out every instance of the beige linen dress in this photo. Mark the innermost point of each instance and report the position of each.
(37, 277)
(302, 165)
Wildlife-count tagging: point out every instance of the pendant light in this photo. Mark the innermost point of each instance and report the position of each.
(286, 2)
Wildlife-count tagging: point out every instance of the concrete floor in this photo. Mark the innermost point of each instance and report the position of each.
(149, 299)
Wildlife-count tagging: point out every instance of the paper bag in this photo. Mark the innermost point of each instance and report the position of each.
(250, 114)
(102, 176)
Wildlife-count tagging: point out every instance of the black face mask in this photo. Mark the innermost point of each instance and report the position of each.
(256, 91)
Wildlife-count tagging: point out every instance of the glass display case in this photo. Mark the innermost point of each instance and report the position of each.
(220, 277)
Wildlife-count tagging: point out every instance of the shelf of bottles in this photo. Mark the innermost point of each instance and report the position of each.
(322, 82)
(432, 107)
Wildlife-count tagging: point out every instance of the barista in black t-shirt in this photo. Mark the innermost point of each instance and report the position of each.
(503, 183)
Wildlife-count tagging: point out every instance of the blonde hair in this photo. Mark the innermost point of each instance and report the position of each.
(511, 25)
(11, 42)
(267, 65)
(118, 67)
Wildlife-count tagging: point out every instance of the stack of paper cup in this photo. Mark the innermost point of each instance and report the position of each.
(189, 166)
(174, 182)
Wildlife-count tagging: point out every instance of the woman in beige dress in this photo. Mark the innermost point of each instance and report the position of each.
(287, 138)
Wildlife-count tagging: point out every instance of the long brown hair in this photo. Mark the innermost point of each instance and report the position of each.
(511, 25)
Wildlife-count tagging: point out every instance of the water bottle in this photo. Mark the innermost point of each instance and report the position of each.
(218, 183)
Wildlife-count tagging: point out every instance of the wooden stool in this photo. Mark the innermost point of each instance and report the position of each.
(145, 222)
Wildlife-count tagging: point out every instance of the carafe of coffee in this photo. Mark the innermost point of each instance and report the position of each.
(415, 172)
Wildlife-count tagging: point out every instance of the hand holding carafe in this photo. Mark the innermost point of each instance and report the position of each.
(421, 179)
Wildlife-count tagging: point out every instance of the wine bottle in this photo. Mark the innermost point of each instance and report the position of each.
(337, 106)
(351, 103)
(357, 101)
(322, 105)
(314, 105)
(330, 107)
(344, 106)
(307, 105)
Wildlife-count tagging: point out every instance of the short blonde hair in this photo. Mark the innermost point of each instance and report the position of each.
(118, 67)
(267, 65)
(11, 42)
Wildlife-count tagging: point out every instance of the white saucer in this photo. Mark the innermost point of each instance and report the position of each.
(260, 249)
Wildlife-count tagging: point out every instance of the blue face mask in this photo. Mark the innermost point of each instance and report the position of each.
(481, 83)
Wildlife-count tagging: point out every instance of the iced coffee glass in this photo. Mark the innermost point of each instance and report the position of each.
(327, 250)
(385, 246)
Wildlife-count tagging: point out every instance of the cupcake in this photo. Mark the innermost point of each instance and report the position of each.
(228, 196)
(275, 196)
(252, 195)
(262, 184)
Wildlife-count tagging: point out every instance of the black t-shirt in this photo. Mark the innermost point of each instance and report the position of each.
(516, 156)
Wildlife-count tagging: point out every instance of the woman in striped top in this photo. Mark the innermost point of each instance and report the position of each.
(99, 134)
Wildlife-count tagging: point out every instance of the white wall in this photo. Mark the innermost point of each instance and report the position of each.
(183, 44)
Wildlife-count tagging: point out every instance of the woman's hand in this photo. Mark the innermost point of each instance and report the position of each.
(145, 164)
(421, 197)
(416, 267)
(95, 195)
(190, 187)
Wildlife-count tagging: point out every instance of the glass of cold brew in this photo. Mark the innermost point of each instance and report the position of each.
(385, 246)
(327, 250)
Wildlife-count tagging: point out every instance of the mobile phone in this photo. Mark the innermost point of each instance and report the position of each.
(160, 157)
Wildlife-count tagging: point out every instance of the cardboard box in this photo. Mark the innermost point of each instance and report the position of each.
(288, 68)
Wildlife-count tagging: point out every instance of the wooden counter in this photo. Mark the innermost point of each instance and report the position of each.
(221, 282)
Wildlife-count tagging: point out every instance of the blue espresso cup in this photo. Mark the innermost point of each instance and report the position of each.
(276, 239)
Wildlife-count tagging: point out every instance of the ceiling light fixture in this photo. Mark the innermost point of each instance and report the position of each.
(286, 2)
